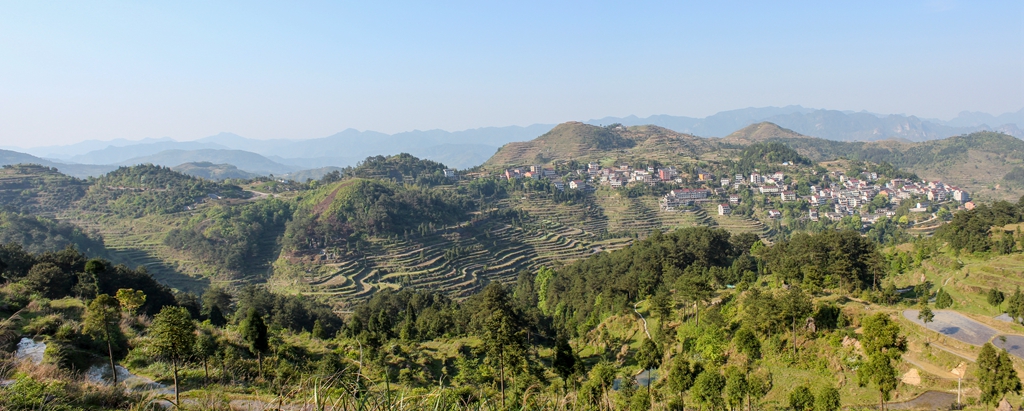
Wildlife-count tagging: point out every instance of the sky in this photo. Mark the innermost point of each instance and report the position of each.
(80, 70)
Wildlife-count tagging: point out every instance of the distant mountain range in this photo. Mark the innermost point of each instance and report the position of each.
(833, 124)
(469, 148)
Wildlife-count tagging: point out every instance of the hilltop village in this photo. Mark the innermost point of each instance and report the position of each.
(819, 193)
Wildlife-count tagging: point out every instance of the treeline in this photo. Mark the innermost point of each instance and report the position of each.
(39, 234)
(400, 168)
(830, 259)
(763, 155)
(35, 189)
(69, 273)
(356, 207)
(980, 230)
(148, 189)
(693, 260)
(231, 237)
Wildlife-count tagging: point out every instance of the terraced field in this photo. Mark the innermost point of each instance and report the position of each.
(461, 260)
(139, 242)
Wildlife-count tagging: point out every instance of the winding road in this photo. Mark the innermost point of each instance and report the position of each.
(964, 329)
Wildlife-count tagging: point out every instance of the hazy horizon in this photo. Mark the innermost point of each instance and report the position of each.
(78, 72)
(299, 138)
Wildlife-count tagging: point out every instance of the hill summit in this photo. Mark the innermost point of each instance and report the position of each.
(580, 141)
(761, 132)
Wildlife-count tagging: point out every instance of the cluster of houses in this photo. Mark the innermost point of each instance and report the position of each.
(594, 174)
(845, 197)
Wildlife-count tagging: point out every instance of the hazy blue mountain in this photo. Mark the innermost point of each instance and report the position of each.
(119, 154)
(460, 149)
(839, 126)
(311, 174)
(460, 156)
(975, 118)
(717, 125)
(8, 157)
(244, 160)
(65, 152)
(827, 124)
(318, 162)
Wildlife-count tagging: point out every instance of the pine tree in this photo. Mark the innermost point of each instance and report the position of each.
(101, 320)
(943, 300)
(996, 375)
(254, 332)
(173, 333)
(883, 344)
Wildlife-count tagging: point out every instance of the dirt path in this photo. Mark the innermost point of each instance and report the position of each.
(642, 319)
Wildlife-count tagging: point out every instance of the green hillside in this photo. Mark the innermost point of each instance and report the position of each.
(211, 171)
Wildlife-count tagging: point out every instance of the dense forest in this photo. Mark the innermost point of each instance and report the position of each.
(233, 238)
(332, 214)
(148, 189)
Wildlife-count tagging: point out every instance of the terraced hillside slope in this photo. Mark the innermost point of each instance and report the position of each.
(518, 233)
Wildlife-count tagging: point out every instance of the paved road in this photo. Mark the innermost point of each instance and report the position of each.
(956, 326)
(1014, 344)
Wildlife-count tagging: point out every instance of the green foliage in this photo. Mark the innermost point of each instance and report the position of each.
(39, 234)
(649, 355)
(608, 282)
(839, 260)
(735, 387)
(356, 207)
(828, 400)
(231, 237)
(943, 300)
(970, 230)
(801, 399)
(400, 168)
(761, 155)
(995, 297)
(708, 389)
(1015, 176)
(254, 332)
(293, 312)
(995, 373)
(173, 333)
(147, 189)
(1015, 306)
(883, 345)
(748, 344)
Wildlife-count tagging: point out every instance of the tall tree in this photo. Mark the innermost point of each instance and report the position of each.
(1015, 306)
(735, 387)
(995, 297)
(884, 345)
(925, 313)
(504, 333)
(206, 347)
(254, 333)
(101, 320)
(996, 375)
(649, 358)
(796, 306)
(708, 388)
(566, 361)
(174, 337)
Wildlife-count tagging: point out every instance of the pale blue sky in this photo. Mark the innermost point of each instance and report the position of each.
(187, 69)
